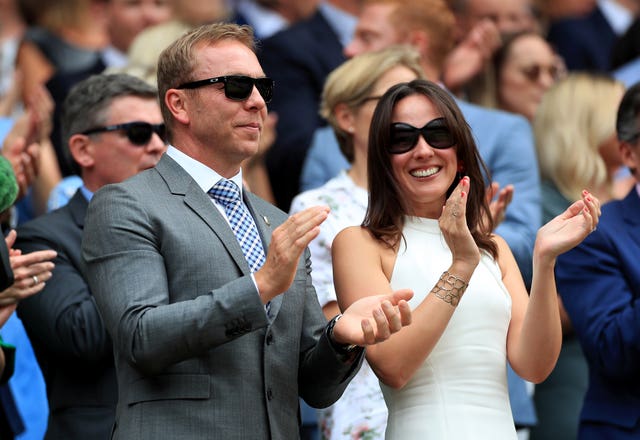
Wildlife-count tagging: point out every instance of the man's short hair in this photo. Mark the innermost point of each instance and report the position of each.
(177, 62)
(86, 105)
(434, 17)
(628, 123)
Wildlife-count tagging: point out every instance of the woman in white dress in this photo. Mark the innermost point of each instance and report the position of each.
(349, 98)
(427, 228)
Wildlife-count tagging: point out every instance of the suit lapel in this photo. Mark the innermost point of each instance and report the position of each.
(265, 228)
(182, 185)
(78, 208)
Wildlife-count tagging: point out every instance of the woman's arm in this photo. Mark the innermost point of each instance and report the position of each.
(396, 360)
(535, 332)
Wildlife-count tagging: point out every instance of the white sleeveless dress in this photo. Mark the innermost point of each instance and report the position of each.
(460, 392)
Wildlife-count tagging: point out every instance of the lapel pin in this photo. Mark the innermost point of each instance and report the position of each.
(266, 220)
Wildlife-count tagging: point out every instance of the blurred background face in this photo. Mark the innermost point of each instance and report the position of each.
(508, 15)
(374, 30)
(197, 12)
(530, 68)
(127, 18)
(291, 10)
(364, 113)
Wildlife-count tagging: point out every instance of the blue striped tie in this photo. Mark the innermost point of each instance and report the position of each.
(227, 194)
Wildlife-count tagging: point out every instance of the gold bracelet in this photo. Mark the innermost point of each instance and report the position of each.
(449, 288)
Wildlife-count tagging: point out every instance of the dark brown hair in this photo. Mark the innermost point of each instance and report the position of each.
(387, 206)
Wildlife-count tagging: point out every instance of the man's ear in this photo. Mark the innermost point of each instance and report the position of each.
(345, 117)
(420, 40)
(82, 150)
(630, 155)
(177, 105)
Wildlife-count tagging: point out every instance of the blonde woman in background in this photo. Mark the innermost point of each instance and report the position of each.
(577, 148)
(350, 95)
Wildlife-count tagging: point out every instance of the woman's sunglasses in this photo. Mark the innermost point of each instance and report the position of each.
(404, 137)
(138, 133)
(236, 87)
(535, 71)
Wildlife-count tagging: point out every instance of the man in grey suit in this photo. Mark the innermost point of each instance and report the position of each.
(209, 341)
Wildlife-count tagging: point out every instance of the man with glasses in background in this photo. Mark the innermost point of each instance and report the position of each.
(113, 128)
(216, 327)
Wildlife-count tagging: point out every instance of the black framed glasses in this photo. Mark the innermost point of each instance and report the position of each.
(404, 137)
(139, 133)
(236, 87)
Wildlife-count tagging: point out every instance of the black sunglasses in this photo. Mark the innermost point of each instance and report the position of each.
(138, 133)
(404, 137)
(236, 87)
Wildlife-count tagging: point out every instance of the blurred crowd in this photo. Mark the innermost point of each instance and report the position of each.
(538, 81)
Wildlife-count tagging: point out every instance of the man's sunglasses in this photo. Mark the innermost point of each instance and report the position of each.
(404, 137)
(236, 87)
(138, 133)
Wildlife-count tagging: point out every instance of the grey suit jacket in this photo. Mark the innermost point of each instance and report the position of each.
(196, 355)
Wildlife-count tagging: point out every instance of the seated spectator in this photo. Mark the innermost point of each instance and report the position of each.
(28, 147)
(585, 42)
(481, 25)
(62, 45)
(125, 20)
(301, 57)
(525, 67)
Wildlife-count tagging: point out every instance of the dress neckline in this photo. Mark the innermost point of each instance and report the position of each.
(423, 224)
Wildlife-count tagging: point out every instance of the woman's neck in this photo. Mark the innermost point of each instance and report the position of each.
(358, 173)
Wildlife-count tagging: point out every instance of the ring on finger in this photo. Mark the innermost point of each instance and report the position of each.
(35, 280)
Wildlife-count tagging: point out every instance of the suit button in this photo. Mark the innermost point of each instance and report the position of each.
(269, 394)
(269, 339)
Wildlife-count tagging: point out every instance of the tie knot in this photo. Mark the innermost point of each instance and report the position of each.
(225, 192)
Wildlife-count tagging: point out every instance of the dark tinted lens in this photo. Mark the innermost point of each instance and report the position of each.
(139, 134)
(238, 87)
(403, 138)
(265, 87)
(162, 132)
(437, 134)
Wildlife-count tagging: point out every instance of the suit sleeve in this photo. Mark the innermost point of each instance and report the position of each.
(128, 252)
(598, 292)
(323, 376)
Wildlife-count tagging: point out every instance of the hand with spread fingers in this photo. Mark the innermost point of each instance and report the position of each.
(288, 242)
(499, 199)
(569, 228)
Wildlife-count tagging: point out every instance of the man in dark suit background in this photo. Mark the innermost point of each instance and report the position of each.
(216, 327)
(586, 42)
(299, 59)
(108, 125)
(599, 282)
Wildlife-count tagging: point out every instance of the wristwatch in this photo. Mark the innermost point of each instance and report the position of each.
(341, 349)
